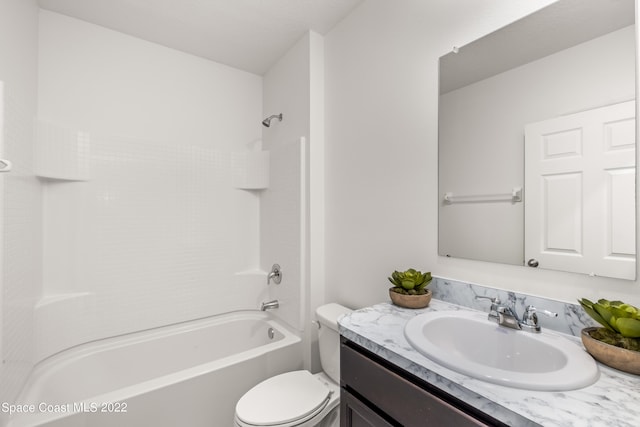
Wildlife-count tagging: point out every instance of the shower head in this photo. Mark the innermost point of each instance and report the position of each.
(267, 122)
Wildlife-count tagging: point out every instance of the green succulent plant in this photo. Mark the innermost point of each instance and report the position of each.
(410, 282)
(621, 322)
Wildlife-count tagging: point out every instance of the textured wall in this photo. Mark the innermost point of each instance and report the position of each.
(20, 194)
(156, 232)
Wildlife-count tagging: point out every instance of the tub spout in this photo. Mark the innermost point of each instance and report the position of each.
(269, 305)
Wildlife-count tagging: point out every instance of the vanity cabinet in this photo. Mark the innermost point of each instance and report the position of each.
(376, 393)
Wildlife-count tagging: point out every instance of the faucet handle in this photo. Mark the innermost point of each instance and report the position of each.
(531, 309)
(530, 318)
(275, 274)
(493, 311)
(495, 300)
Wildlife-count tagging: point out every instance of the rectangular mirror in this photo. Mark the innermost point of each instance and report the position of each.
(537, 140)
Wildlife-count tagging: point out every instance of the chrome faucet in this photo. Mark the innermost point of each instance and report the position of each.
(270, 305)
(506, 316)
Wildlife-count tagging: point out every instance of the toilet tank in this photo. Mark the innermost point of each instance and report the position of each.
(329, 338)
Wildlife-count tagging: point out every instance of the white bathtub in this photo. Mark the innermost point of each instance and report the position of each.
(190, 374)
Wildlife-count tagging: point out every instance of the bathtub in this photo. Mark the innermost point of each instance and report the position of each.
(190, 374)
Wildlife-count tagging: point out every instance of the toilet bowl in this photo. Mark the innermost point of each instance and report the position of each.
(300, 398)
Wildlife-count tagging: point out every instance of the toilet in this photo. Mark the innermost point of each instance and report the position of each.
(300, 398)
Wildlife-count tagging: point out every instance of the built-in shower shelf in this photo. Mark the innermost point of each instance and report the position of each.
(250, 170)
(54, 179)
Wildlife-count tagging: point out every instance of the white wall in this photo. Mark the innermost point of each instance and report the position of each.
(107, 82)
(158, 233)
(485, 155)
(20, 195)
(381, 115)
(286, 91)
(292, 207)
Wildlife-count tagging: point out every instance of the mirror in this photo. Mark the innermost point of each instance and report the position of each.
(536, 142)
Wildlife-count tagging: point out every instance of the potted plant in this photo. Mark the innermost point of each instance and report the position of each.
(410, 288)
(617, 343)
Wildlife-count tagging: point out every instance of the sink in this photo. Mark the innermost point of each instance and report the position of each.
(467, 342)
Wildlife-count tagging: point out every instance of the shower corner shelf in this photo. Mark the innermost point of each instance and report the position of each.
(251, 188)
(60, 178)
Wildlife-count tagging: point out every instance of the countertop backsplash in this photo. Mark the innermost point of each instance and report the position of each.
(571, 317)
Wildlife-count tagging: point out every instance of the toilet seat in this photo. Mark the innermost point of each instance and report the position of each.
(284, 400)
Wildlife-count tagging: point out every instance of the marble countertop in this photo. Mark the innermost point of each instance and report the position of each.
(613, 401)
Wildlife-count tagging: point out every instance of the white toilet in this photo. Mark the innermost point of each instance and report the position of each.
(300, 398)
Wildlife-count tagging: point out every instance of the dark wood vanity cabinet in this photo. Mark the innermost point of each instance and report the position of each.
(376, 393)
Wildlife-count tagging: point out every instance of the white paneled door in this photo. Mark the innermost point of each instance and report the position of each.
(580, 192)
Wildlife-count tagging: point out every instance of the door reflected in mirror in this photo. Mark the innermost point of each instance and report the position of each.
(537, 142)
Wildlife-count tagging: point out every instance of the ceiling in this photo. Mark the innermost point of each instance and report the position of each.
(246, 34)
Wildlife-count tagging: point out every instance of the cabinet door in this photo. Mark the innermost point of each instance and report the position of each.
(354, 413)
(403, 402)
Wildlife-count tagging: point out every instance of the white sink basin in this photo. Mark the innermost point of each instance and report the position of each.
(467, 342)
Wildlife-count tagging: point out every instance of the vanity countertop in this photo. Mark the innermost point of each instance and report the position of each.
(613, 401)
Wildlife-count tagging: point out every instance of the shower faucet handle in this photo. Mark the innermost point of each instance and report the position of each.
(275, 274)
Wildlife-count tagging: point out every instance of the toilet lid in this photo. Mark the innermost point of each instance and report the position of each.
(282, 399)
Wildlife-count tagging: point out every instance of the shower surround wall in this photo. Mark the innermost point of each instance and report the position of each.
(156, 232)
(19, 194)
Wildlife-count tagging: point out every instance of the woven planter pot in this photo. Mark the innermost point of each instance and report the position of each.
(610, 355)
(410, 301)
